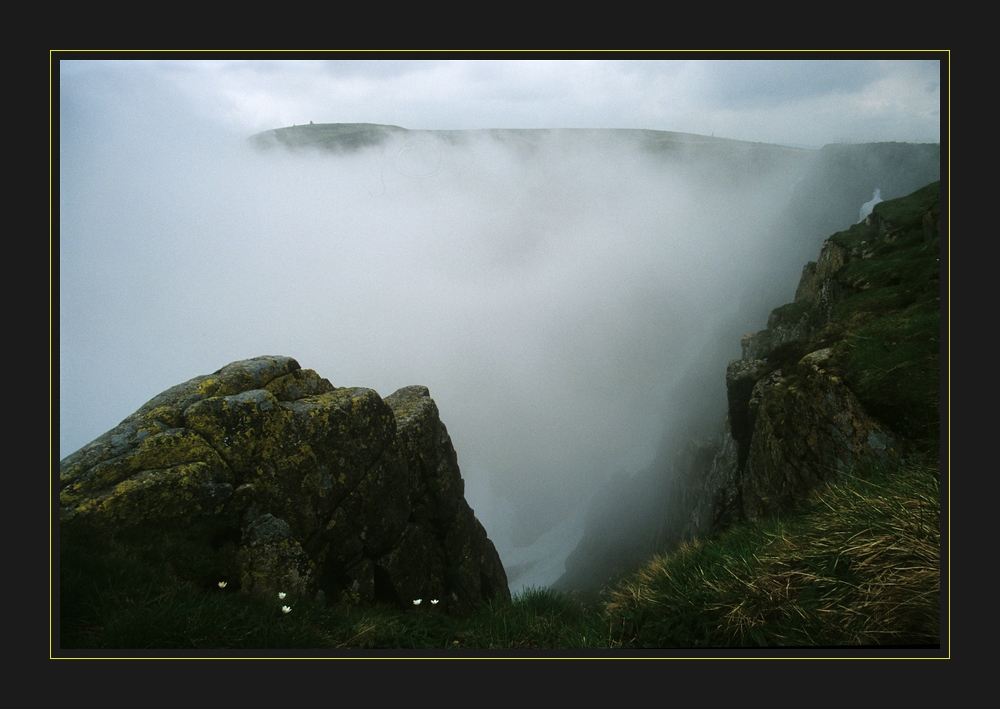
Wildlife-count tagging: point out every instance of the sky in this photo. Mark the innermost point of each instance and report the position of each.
(549, 302)
(802, 102)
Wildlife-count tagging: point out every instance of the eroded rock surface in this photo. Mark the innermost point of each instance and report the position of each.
(807, 428)
(303, 486)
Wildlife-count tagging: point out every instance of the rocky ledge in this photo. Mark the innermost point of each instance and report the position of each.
(296, 485)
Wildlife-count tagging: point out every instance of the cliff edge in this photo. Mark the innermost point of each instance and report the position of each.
(848, 371)
(272, 479)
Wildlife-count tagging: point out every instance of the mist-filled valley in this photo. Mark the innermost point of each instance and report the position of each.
(566, 296)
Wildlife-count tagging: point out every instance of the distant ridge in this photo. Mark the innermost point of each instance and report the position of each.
(349, 137)
(336, 137)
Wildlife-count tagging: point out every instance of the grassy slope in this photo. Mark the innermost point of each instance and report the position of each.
(858, 564)
(891, 329)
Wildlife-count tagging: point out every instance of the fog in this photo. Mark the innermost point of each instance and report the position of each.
(551, 292)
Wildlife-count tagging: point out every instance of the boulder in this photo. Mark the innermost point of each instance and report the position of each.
(297, 486)
(807, 428)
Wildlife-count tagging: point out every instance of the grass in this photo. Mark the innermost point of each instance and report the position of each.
(890, 329)
(857, 564)
(182, 617)
(132, 592)
(893, 364)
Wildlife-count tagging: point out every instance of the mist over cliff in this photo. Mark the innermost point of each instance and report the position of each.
(552, 289)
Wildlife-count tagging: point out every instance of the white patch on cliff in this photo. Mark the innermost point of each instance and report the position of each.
(868, 206)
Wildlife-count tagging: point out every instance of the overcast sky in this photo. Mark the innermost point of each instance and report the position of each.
(801, 102)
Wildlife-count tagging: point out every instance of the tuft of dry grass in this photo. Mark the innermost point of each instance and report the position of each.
(858, 565)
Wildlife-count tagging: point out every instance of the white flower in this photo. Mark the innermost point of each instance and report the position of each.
(286, 609)
(416, 601)
(222, 584)
(434, 601)
(281, 594)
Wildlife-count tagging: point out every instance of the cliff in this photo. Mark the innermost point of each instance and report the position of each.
(271, 479)
(849, 371)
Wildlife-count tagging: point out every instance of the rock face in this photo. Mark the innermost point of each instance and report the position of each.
(802, 427)
(298, 485)
(793, 419)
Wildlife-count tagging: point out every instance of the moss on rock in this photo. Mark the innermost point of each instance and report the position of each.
(314, 486)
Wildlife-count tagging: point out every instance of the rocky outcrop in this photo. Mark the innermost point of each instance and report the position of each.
(712, 488)
(794, 419)
(297, 485)
(804, 427)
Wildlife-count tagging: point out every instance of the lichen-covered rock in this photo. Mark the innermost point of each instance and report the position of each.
(468, 566)
(817, 294)
(817, 287)
(322, 488)
(807, 428)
